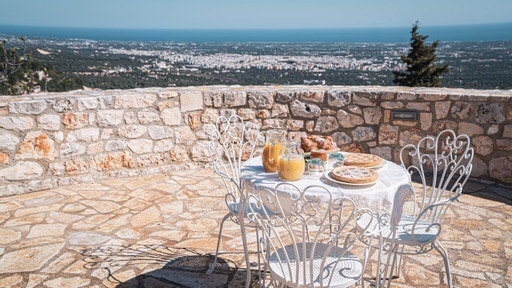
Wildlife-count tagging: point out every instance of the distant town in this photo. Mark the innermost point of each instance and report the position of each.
(112, 65)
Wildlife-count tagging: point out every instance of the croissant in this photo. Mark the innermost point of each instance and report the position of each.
(308, 144)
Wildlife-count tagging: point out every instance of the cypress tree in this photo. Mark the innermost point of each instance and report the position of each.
(420, 63)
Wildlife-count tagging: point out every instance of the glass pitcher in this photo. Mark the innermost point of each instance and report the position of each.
(273, 141)
(291, 163)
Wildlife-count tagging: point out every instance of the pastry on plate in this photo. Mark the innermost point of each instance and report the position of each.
(362, 160)
(354, 174)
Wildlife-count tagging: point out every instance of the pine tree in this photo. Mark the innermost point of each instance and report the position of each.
(420, 63)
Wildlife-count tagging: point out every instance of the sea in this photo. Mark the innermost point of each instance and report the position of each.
(461, 33)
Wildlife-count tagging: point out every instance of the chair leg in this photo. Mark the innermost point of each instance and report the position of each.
(437, 245)
(246, 251)
(214, 264)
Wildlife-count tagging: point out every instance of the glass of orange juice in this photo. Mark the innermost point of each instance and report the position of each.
(291, 165)
(272, 148)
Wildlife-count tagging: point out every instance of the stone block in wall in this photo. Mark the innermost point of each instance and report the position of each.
(194, 120)
(130, 117)
(235, 99)
(166, 104)
(284, 97)
(33, 107)
(4, 158)
(158, 132)
(199, 151)
(245, 113)
(312, 96)
(441, 125)
(365, 98)
(384, 152)
(64, 104)
(140, 146)
(113, 161)
(337, 98)
(74, 120)
(115, 145)
(501, 168)
(210, 115)
(483, 145)
(16, 123)
(273, 124)
(8, 141)
(132, 131)
(179, 154)
(408, 96)
(139, 100)
(212, 99)
(347, 120)
(263, 114)
(509, 112)
(153, 159)
(22, 170)
(167, 94)
(191, 101)
(183, 135)
(71, 149)
(355, 109)
(353, 147)
(76, 166)
(163, 145)
(146, 117)
(392, 105)
(296, 135)
(310, 125)
(326, 124)
(110, 118)
(463, 110)
(171, 116)
(410, 136)
(490, 113)
(305, 110)
(89, 134)
(418, 106)
(36, 145)
(49, 122)
(507, 131)
(493, 129)
(425, 120)
(294, 125)
(433, 96)
(442, 108)
(363, 134)
(480, 168)
(280, 110)
(470, 129)
(87, 103)
(372, 115)
(388, 134)
(341, 138)
(504, 144)
(260, 99)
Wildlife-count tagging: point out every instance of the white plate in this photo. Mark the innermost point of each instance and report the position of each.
(327, 175)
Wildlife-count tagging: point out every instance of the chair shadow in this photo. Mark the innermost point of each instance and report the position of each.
(174, 267)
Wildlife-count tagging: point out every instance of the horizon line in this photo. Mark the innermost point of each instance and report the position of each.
(255, 29)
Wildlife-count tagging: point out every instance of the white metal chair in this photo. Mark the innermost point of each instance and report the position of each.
(448, 157)
(307, 240)
(231, 142)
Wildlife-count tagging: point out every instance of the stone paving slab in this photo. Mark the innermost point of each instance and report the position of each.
(158, 231)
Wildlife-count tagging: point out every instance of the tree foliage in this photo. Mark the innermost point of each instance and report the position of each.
(420, 67)
(13, 61)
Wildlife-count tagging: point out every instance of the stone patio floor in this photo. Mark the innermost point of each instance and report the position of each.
(158, 231)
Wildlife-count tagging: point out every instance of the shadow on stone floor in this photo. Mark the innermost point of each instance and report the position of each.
(181, 267)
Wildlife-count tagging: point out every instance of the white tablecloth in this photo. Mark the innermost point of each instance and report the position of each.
(392, 186)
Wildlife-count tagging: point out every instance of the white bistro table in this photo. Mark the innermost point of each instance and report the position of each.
(386, 195)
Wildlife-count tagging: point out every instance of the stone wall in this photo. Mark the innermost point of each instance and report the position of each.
(49, 140)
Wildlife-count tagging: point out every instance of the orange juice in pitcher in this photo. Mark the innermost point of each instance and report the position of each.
(271, 150)
(291, 165)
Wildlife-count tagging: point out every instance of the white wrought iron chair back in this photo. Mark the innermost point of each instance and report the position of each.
(447, 157)
(308, 239)
(231, 142)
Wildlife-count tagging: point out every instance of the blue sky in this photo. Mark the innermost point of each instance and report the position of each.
(243, 14)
